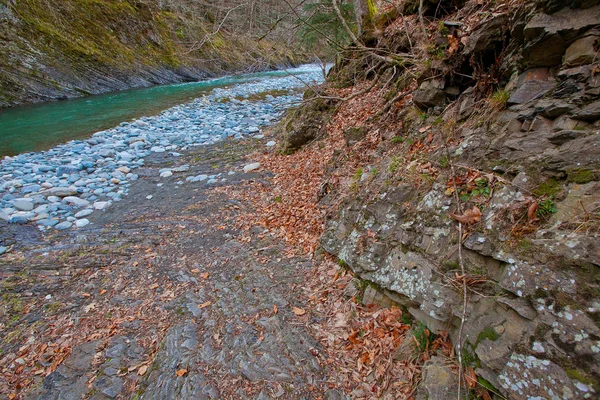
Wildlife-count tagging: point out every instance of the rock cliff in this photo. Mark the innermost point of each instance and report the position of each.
(63, 49)
(493, 124)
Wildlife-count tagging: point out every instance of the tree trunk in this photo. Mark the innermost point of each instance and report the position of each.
(365, 9)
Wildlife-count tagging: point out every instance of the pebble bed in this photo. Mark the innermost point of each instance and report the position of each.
(61, 187)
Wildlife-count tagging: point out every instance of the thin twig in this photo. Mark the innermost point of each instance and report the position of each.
(389, 105)
(421, 20)
(305, 22)
(406, 31)
(207, 37)
(352, 96)
(464, 287)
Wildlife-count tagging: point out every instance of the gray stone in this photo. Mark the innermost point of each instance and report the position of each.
(66, 170)
(23, 205)
(373, 296)
(48, 222)
(408, 348)
(111, 387)
(430, 93)
(251, 167)
(521, 306)
(307, 122)
(552, 109)
(591, 112)
(354, 134)
(84, 213)
(18, 219)
(101, 205)
(439, 382)
(582, 52)
(31, 189)
(486, 34)
(62, 191)
(199, 178)
(562, 137)
(565, 123)
(547, 36)
(532, 84)
(80, 223)
(578, 74)
(550, 380)
(63, 225)
(183, 168)
(76, 201)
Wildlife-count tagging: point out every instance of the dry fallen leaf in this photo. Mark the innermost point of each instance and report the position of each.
(205, 304)
(298, 311)
(181, 372)
(89, 307)
(195, 271)
(154, 286)
(532, 211)
(470, 216)
(470, 377)
(275, 309)
(204, 275)
(86, 295)
(142, 370)
(452, 44)
(103, 291)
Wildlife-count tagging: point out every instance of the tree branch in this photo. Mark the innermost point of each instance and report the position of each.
(359, 44)
(304, 21)
(207, 37)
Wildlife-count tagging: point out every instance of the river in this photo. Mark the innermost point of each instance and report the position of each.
(41, 126)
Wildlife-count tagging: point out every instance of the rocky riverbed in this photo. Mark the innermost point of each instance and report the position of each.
(60, 188)
(150, 288)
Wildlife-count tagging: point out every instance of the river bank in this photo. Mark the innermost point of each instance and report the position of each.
(60, 188)
(163, 296)
(176, 291)
(73, 48)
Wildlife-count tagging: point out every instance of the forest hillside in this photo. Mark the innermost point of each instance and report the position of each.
(70, 48)
(454, 153)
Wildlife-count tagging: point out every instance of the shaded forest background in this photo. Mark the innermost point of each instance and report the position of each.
(60, 49)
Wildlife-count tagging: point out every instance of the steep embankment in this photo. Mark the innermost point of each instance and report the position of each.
(60, 49)
(490, 120)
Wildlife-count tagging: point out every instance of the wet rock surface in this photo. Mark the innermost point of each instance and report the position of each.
(54, 188)
(182, 307)
(154, 292)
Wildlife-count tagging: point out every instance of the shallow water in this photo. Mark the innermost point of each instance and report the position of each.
(41, 126)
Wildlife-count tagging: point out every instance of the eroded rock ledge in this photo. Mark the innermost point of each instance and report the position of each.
(531, 166)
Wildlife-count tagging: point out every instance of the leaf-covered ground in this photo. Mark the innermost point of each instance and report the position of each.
(199, 291)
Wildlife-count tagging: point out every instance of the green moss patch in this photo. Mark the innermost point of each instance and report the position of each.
(580, 176)
(551, 187)
(488, 333)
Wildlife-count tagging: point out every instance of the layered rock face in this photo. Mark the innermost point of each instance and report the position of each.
(532, 169)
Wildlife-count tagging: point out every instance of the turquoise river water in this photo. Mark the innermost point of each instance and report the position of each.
(40, 126)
